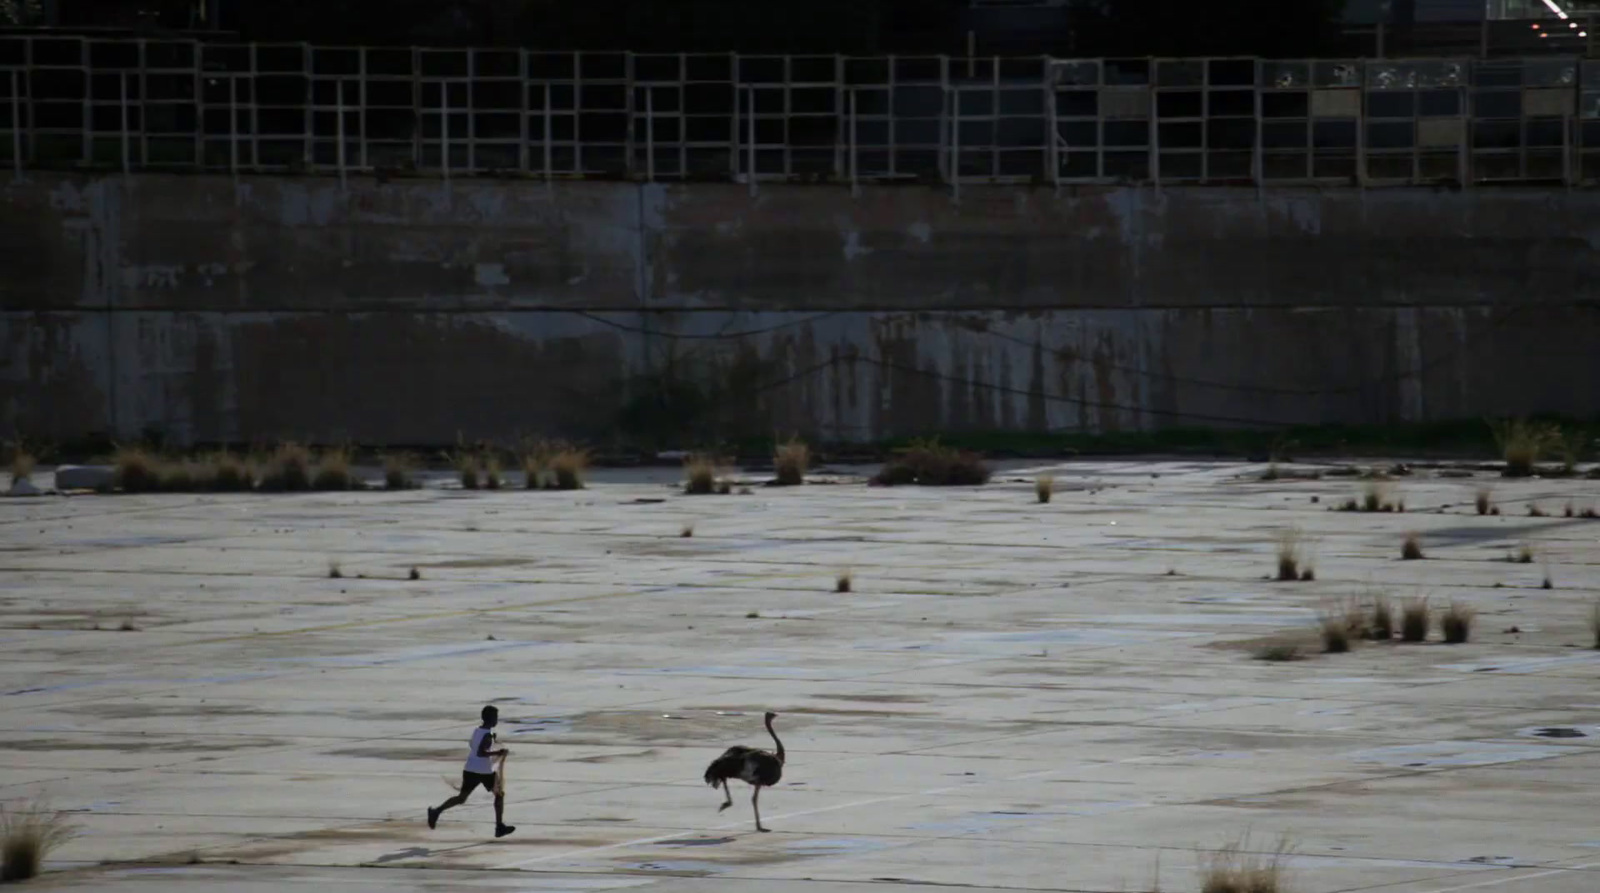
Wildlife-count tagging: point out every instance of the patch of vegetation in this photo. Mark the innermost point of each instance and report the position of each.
(1335, 633)
(1233, 869)
(567, 467)
(28, 832)
(22, 465)
(700, 474)
(230, 473)
(334, 573)
(1411, 547)
(931, 464)
(416, 574)
(288, 470)
(490, 463)
(1044, 486)
(136, 470)
(1534, 511)
(1414, 620)
(687, 531)
(1523, 555)
(1279, 652)
(1521, 442)
(467, 467)
(333, 471)
(1594, 623)
(844, 582)
(1289, 554)
(397, 471)
(791, 461)
(1381, 628)
(1483, 500)
(1456, 623)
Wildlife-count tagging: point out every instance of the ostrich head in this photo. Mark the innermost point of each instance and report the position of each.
(771, 716)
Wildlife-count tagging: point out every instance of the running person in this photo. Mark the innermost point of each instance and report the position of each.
(479, 771)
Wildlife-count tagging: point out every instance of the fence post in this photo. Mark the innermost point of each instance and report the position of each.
(649, 135)
(955, 144)
(1052, 152)
(16, 127)
(123, 122)
(547, 135)
(233, 127)
(855, 185)
(339, 132)
(751, 140)
(444, 131)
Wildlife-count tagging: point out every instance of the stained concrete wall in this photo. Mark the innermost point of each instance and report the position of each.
(414, 311)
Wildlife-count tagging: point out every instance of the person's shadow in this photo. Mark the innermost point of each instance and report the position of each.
(410, 852)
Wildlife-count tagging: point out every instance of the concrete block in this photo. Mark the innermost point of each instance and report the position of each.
(1335, 103)
(84, 477)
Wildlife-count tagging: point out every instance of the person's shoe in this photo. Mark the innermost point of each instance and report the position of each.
(503, 830)
(433, 818)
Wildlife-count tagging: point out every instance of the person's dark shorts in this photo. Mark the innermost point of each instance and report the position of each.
(471, 780)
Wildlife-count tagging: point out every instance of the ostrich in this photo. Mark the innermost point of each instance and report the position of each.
(756, 768)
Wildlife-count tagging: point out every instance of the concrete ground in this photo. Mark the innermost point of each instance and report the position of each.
(1014, 697)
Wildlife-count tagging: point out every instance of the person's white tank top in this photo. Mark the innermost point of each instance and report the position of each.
(475, 763)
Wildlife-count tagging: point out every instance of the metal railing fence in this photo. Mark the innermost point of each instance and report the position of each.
(152, 105)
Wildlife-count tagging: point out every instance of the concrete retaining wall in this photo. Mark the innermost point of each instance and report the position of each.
(413, 311)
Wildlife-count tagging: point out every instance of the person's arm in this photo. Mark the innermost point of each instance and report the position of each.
(485, 744)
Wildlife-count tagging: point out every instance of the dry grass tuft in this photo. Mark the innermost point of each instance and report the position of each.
(1289, 554)
(28, 832)
(1411, 547)
(415, 574)
(1375, 497)
(1381, 628)
(1524, 555)
(128, 626)
(699, 474)
(1456, 623)
(229, 473)
(932, 464)
(1589, 513)
(1414, 620)
(844, 582)
(492, 479)
(467, 467)
(567, 466)
(136, 470)
(22, 465)
(1044, 486)
(1484, 500)
(1521, 442)
(1308, 574)
(1278, 652)
(1594, 623)
(791, 460)
(334, 573)
(288, 470)
(687, 531)
(397, 468)
(1234, 870)
(1534, 511)
(1335, 633)
(333, 471)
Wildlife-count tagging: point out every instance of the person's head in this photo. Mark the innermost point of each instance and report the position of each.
(491, 716)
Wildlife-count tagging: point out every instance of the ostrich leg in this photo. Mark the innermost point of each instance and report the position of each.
(755, 803)
(728, 796)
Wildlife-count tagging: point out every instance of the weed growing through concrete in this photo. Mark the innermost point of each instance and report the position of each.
(1278, 652)
(1375, 497)
(1233, 869)
(229, 473)
(22, 465)
(1524, 555)
(334, 572)
(1589, 513)
(1411, 547)
(1594, 623)
(136, 470)
(288, 470)
(128, 626)
(753, 615)
(1308, 574)
(1571, 444)
(1456, 623)
(843, 582)
(1569, 511)
(28, 832)
(1414, 620)
(791, 460)
(1521, 442)
(932, 464)
(687, 531)
(1044, 486)
(1484, 500)
(1381, 628)
(490, 463)
(699, 475)
(333, 471)
(397, 469)
(1335, 633)
(567, 467)
(1289, 554)
(467, 468)
(416, 574)
(1534, 511)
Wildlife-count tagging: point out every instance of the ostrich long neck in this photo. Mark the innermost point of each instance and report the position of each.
(775, 740)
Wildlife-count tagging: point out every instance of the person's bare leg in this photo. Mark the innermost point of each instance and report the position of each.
(454, 801)
(499, 810)
(755, 803)
(727, 796)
